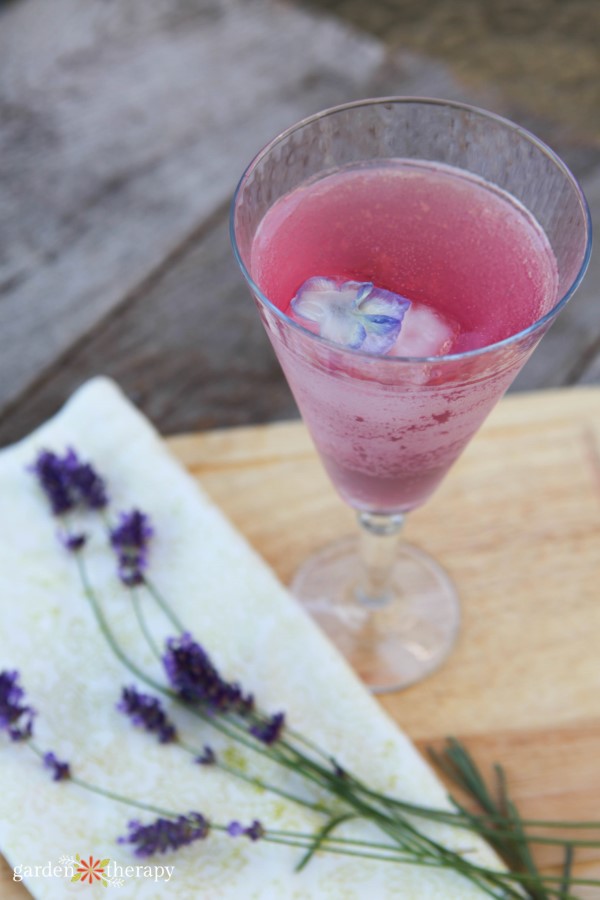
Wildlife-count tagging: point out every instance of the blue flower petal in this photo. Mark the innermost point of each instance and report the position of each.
(381, 324)
(380, 302)
(354, 314)
(362, 288)
(318, 297)
(346, 330)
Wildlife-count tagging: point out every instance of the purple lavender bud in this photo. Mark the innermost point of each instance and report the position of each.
(89, 485)
(208, 757)
(130, 540)
(146, 712)
(15, 718)
(69, 483)
(55, 480)
(192, 674)
(60, 770)
(166, 834)
(338, 771)
(254, 831)
(73, 542)
(269, 731)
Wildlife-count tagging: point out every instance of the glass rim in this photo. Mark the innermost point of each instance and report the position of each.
(425, 101)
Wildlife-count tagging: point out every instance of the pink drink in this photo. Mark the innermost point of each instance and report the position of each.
(470, 259)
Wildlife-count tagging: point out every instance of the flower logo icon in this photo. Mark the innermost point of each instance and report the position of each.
(90, 870)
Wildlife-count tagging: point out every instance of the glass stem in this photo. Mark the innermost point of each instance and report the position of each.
(379, 540)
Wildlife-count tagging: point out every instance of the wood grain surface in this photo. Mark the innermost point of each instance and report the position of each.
(517, 524)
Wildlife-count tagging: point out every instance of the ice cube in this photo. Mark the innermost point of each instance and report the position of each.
(354, 314)
(425, 332)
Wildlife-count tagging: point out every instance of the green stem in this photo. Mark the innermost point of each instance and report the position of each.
(290, 838)
(111, 795)
(106, 631)
(166, 608)
(258, 782)
(477, 824)
(141, 619)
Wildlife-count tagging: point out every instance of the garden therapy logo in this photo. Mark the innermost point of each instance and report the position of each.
(91, 870)
(110, 873)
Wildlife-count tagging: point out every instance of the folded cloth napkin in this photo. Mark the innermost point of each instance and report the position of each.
(256, 634)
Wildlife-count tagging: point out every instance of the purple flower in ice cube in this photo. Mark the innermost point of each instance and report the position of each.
(355, 314)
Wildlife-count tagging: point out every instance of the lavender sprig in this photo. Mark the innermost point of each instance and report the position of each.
(166, 834)
(146, 712)
(195, 679)
(68, 482)
(16, 717)
(130, 538)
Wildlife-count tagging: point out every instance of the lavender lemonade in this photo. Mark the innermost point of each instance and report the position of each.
(393, 259)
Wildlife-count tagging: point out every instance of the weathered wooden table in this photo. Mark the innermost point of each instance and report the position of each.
(124, 127)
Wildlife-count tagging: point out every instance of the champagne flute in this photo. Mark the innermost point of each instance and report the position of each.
(406, 256)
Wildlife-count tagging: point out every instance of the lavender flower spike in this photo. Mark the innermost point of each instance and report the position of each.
(15, 717)
(69, 483)
(60, 770)
(89, 486)
(130, 539)
(54, 476)
(166, 834)
(147, 712)
(193, 675)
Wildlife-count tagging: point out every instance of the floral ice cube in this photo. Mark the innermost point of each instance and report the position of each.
(355, 314)
(425, 332)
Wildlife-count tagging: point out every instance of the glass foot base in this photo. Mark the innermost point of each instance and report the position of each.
(392, 645)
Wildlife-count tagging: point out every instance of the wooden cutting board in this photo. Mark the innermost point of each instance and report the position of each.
(517, 525)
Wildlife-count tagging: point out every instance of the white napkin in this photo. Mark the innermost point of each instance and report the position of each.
(232, 603)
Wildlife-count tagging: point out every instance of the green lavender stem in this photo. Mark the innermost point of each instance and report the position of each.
(141, 619)
(166, 608)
